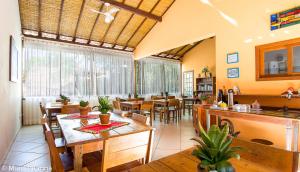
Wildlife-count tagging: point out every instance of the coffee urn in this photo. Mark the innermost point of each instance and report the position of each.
(230, 98)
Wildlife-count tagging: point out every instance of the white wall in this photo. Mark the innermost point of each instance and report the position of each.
(10, 93)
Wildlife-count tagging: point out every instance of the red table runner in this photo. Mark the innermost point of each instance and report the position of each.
(78, 116)
(98, 128)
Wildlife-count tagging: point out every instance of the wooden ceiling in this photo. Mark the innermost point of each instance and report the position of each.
(177, 53)
(73, 21)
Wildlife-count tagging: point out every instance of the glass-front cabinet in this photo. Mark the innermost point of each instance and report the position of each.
(278, 61)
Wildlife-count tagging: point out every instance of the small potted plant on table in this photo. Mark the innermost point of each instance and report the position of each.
(64, 99)
(84, 108)
(104, 107)
(214, 150)
(204, 99)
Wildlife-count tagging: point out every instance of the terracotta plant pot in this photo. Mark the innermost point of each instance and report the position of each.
(84, 111)
(104, 118)
(203, 102)
(65, 102)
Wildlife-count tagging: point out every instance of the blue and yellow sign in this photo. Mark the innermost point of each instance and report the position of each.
(285, 18)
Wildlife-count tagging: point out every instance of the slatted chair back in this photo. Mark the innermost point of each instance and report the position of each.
(173, 103)
(43, 110)
(69, 109)
(56, 163)
(147, 105)
(118, 151)
(116, 105)
(171, 97)
(140, 118)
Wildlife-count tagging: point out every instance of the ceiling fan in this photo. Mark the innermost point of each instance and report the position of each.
(108, 12)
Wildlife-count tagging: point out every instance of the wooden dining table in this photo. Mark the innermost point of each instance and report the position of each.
(84, 142)
(254, 158)
(131, 105)
(55, 107)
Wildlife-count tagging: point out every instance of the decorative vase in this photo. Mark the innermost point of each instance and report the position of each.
(104, 118)
(84, 111)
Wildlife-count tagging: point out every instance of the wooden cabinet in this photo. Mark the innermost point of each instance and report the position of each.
(278, 61)
(199, 117)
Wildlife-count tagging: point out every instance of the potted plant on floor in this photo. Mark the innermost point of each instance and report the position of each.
(204, 99)
(104, 107)
(64, 99)
(84, 108)
(214, 150)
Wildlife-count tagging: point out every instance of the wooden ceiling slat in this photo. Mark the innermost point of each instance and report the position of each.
(97, 18)
(78, 20)
(126, 45)
(134, 10)
(191, 48)
(155, 23)
(59, 19)
(39, 17)
(107, 30)
(114, 44)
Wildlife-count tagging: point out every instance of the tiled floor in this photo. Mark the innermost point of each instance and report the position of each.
(30, 151)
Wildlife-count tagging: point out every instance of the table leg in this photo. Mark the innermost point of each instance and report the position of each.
(183, 106)
(78, 158)
(50, 118)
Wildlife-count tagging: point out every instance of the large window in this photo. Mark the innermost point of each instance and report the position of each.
(188, 83)
(155, 76)
(52, 69)
(278, 61)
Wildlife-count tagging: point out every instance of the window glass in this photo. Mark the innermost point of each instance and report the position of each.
(296, 59)
(276, 62)
(188, 83)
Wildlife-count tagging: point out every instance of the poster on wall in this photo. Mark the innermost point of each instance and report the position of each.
(13, 61)
(233, 73)
(285, 18)
(232, 57)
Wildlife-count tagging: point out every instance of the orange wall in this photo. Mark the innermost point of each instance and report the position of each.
(191, 20)
(200, 56)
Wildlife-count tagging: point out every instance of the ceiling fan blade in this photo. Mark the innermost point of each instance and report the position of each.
(113, 10)
(95, 11)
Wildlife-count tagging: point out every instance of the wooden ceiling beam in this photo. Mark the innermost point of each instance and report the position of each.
(191, 48)
(156, 22)
(39, 17)
(94, 25)
(133, 10)
(71, 42)
(59, 18)
(78, 20)
(120, 33)
(138, 28)
(182, 48)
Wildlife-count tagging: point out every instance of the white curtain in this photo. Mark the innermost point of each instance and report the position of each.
(51, 69)
(158, 75)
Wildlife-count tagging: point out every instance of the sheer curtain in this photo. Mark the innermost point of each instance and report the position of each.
(158, 75)
(51, 69)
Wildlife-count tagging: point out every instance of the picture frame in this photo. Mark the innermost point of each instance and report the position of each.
(233, 72)
(13, 61)
(232, 58)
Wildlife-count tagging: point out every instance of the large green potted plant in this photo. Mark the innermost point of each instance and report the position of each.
(104, 107)
(214, 150)
(84, 108)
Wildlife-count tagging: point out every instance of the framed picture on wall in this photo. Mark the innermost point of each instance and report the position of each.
(232, 57)
(13, 61)
(233, 73)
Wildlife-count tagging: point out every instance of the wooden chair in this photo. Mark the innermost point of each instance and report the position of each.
(120, 155)
(174, 108)
(53, 115)
(136, 99)
(139, 118)
(69, 109)
(61, 162)
(171, 97)
(157, 97)
(116, 105)
(60, 143)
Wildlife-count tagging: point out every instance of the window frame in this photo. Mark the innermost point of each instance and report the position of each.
(260, 66)
(183, 81)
